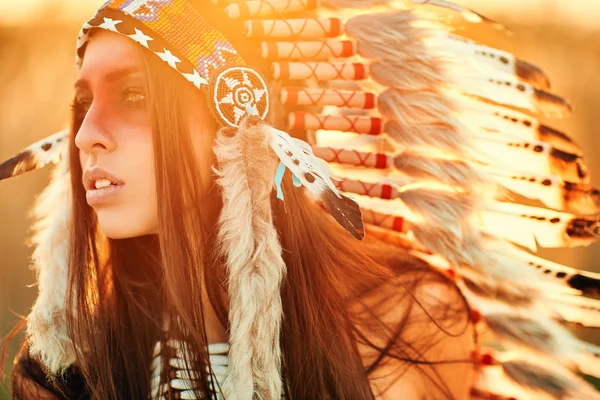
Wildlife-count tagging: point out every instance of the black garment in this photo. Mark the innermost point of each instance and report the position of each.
(29, 381)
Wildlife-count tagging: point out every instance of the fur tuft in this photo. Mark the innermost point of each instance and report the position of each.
(250, 244)
(47, 330)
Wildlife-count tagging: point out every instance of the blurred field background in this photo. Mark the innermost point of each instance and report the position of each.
(37, 45)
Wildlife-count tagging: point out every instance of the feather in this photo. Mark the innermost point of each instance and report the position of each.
(468, 14)
(423, 119)
(553, 191)
(532, 156)
(438, 207)
(414, 164)
(316, 176)
(543, 336)
(546, 338)
(533, 268)
(478, 393)
(554, 380)
(488, 117)
(345, 211)
(48, 150)
(47, 329)
(484, 58)
(353, 3)
(395, 45)
(509, 91)
(457, 243)
(575, 308)
(249, 243)
(450, 172)
(526, 226)
(441, 227)
(485, 286)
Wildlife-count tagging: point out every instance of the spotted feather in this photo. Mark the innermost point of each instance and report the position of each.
(46, 151)
(316, 176)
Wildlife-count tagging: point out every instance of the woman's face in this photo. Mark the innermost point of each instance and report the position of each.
(115, 138)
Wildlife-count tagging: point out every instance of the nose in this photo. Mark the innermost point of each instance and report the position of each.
(93, 136)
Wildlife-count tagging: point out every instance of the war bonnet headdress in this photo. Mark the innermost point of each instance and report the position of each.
(428, 130)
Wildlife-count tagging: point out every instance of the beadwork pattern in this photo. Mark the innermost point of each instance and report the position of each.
(235, 90)
(184, 33)
(176, 32)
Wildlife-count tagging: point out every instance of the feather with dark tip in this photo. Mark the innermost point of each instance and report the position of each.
(558, 139)
(482, 59)
(553, 191)
(510, 91)
(536, 157)
(529, 226)
(532, 74)
(588, 283)
(583, 229)
(345, 211)
(315, 174)
(551, 105)
(489, 118)
(39, 154)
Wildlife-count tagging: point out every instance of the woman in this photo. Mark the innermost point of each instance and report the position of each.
(177, 271)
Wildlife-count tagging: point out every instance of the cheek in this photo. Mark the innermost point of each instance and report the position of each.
(135, 214)
(82, 158)
(141, 205)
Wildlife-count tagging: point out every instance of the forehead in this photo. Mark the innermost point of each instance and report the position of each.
(107, 51)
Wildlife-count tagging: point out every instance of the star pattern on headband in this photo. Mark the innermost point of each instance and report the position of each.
(141, 37)
(169, 58)
(195, 78)
(110, 24)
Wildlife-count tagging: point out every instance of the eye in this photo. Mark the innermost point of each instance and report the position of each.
(134, 96)
(80, 106)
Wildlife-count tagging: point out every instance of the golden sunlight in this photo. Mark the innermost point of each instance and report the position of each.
(580, 13)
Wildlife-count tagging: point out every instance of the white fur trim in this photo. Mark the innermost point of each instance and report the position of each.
(47, 324)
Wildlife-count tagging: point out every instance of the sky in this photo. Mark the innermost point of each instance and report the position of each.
(577, 13)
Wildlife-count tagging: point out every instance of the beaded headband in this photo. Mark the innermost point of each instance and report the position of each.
(180, 36)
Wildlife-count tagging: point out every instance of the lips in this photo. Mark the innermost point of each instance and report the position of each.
(100, 185)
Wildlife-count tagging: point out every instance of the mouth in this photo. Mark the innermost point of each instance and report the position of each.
(100, 186)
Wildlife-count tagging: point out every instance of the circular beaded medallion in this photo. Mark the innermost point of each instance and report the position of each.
(236, 92)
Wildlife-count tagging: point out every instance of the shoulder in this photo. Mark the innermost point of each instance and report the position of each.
(419, 340)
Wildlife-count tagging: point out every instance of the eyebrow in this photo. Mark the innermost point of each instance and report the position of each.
(111, 77)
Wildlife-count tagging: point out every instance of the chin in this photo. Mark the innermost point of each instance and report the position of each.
(124, 225)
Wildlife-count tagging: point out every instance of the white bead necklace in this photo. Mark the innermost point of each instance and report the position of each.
(185, 380)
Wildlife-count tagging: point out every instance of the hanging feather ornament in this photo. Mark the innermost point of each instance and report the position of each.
(253, 253)
(46, 151)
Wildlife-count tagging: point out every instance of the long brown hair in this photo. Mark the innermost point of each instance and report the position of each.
(337, 295)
